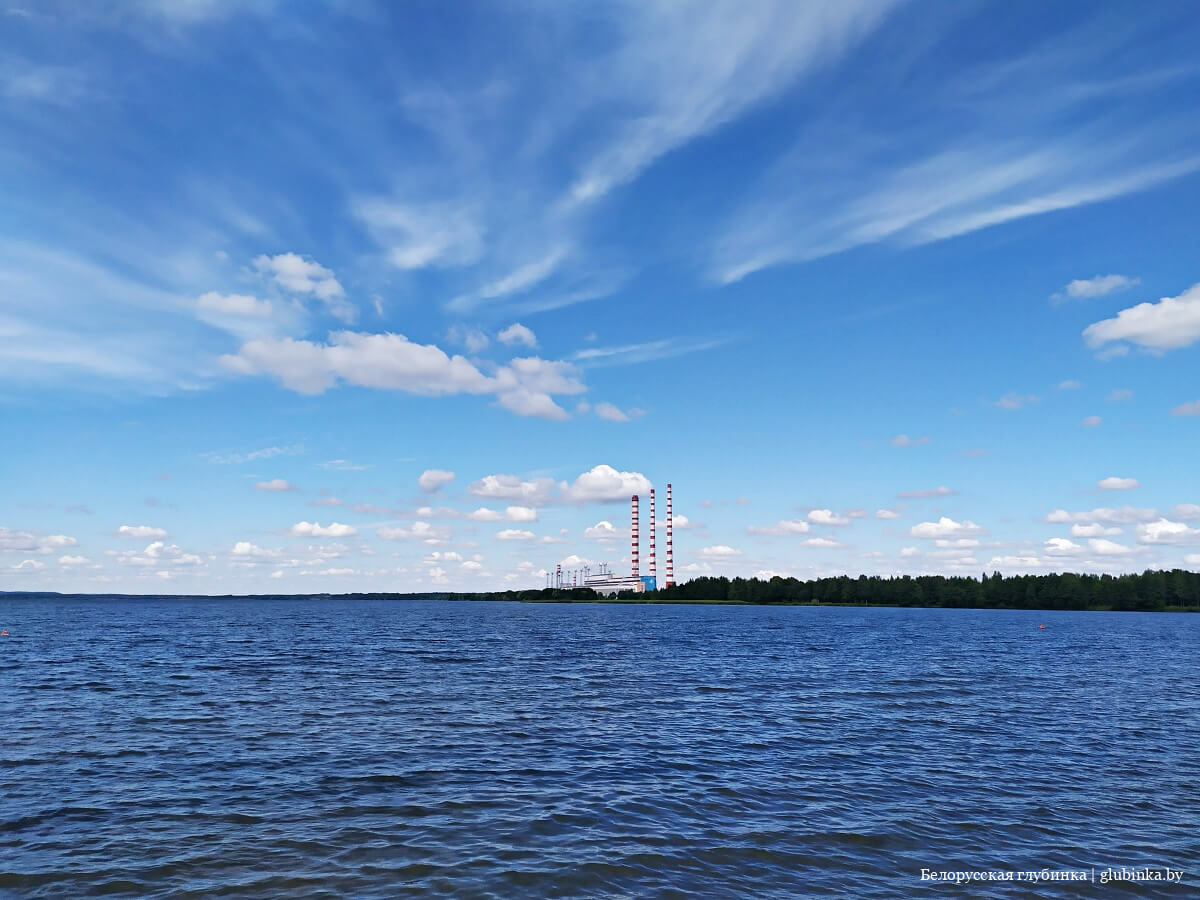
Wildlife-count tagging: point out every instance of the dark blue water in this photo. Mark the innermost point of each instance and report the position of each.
(370, 748)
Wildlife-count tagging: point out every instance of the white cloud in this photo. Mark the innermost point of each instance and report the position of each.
(908, 552)
(520, 513)
(30, 542)
(782, 527)
(903, 440)
(247, 549)
(514, 534)
(472, 338)
(432, 480)
(945, 528)
(604, 484)
(484, 514)
(820, 542)
(298, 275)
(517, 334)
(681, 523)
(1108, 548)
(1095, 529)
(1119, 395)
(826, 517)
(28, 564)
(392, 362)
(1187, 409)
(1122, 516)
(1098, 286)
(1192, 559)
(1062, 547)
(420, 531)
(141, 532)
(604, 530)
(1164, 531)
(534, 492)
(1170, 323)
(956, 543)
(238, 305)
(1189, 512)
(315, 529)
(886, 514)
(1070, 385)
(275, 484)
(1114, 483)
(1091, 421)
(442, 556)
(719, 551)
(72, 560)
(610, 412)
(156, 554)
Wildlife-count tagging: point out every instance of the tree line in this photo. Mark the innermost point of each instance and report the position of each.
(1151, 590)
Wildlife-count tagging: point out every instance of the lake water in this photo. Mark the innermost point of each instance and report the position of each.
(374, 748)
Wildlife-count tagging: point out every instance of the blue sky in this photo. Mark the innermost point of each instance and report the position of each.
(371, 296)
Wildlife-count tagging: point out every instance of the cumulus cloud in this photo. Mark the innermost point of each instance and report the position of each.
(1117, 484)
(680, 523)
(275, 484)
(1070, 384)
(1187, 409)
(1062, 547)
(72, 560)
(420, 531)
(514, 534)
(156, 554)
(886, 514)
(719, 551)
(28, 565)
(520, 513)
(245, 549)
(239, 305)
(432, 480)
(604, 484)
(820, 542)
(903, 440)
(298, 275)
(141, 532)
(32, 542)
(392, 362)
(1170, 323)
(517, 334)
(782, 527)
(1164, 531)
(604, 530)
(316, 529)
(945, 527)
(533, 492)
(826, 517)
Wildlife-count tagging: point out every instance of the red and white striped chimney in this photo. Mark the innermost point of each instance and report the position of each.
(634, 537)
(670, 548)
(653, 528)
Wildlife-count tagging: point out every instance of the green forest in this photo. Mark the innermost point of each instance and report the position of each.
(1148, 591)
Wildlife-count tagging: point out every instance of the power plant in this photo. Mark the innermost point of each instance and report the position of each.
(607, 582)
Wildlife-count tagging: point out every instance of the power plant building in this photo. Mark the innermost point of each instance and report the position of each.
(608, 583)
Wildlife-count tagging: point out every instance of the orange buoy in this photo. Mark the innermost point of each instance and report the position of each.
(1041, 626)
(4, 633)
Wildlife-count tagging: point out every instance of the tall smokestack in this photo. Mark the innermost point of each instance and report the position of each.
(653, 528)
(670, 548)
(634, 536)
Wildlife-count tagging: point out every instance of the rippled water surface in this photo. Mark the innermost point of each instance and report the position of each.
(374, 748)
